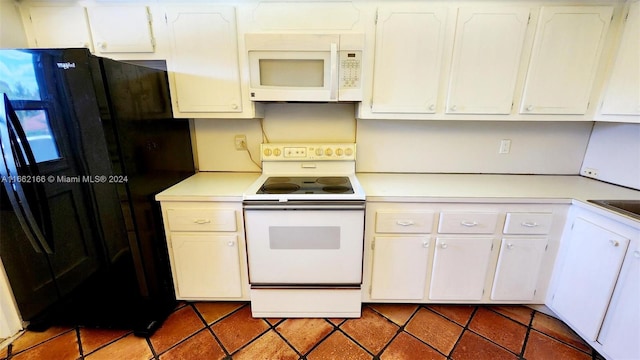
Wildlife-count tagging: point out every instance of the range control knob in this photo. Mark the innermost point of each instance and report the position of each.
(277, 152)
(339, 151)
(267, 152)
(328, 152)
(319, 151)
(348, 151)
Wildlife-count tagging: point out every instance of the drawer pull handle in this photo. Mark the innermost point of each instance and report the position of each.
(405, 222)
(469, 223)
(615, 243)
(444, 245)
(529, 224)
(202, 221)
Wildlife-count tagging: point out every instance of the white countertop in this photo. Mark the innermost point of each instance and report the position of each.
(481, 187)
(229, 186)
(210, 186)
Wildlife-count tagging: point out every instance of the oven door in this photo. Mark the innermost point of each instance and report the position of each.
(289, 245)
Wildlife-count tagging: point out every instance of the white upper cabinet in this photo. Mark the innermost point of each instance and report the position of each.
(408, 59)
(486, 59)
(622, 96)
(104, 30)
(564, 60)
(57, 27)
(121, 29)
(204, 73)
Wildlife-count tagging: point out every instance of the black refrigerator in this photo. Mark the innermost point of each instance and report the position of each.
(86, 144)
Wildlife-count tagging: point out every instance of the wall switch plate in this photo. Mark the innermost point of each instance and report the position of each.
(505, 146)
(241, 142)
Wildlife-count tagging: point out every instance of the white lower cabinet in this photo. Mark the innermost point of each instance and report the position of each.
(596, 284)
(460, 268)
(460, 252)
(207, 250)
(399, 267)
(518, 267)
(206, 265)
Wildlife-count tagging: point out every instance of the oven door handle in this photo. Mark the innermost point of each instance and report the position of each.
(304, 206)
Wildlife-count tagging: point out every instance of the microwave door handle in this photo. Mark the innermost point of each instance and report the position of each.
(333, 85)
(20, 149)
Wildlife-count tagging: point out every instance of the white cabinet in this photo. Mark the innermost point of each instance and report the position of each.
(586, 281)
(518, 268)
(207, 250)
(206, 265)
(105, 30)
(622, 96)
(57, 26)
(204, 72)
(399, 267)
(408, 58)
(621, 329)
(121, 29)
(565, 58)
(460, 267)
(486, 59)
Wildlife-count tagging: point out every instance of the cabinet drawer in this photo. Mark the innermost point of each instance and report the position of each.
(467, 223)
(528, 223)
(404, 221)
(202, 219)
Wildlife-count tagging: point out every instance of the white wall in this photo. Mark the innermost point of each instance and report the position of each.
(614, 154)
(12, 33)
(400, 146)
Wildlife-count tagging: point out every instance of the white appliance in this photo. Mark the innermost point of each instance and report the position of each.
(304, 224)
(305, 67)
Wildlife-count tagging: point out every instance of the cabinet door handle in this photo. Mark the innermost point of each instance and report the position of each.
(529, 224)
(432, 107)
(615, 243)
(509, 246)
(636, 254)
(201, 221)
(469, 223)
(529, 108)
(231, 243)
(405, 222)
(426, 244)
(444, 245)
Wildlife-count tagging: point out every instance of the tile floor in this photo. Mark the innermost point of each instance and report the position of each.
(226, 330)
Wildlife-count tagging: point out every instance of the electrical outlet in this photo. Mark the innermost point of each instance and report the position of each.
(590, 172)
(241, 142)
(505, 146)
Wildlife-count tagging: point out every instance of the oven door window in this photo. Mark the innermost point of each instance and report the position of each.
(305, 247)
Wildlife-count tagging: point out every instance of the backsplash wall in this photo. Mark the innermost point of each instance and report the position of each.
(400, 146)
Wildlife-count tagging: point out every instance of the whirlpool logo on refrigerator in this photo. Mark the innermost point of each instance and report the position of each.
(66, 65)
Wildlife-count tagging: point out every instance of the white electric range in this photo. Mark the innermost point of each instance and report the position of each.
(304, 224)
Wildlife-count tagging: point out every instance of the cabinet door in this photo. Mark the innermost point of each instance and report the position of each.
(203, 69)
(206, 265)
(591, 266)
(621, 328)
(564, 60)
(460, 268)
(399, 267)
(121, 29)
(623, 91)
(486, 59)
(518, 267)
(408, 58)
(60, 27)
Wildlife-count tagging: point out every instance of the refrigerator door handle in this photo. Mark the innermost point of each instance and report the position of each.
(10, 171)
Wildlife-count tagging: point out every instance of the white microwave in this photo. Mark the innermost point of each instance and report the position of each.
(305, 67)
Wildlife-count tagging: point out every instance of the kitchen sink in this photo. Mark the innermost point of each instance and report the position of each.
(625, 207)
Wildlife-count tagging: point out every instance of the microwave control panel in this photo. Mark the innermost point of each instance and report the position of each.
(350, 69)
